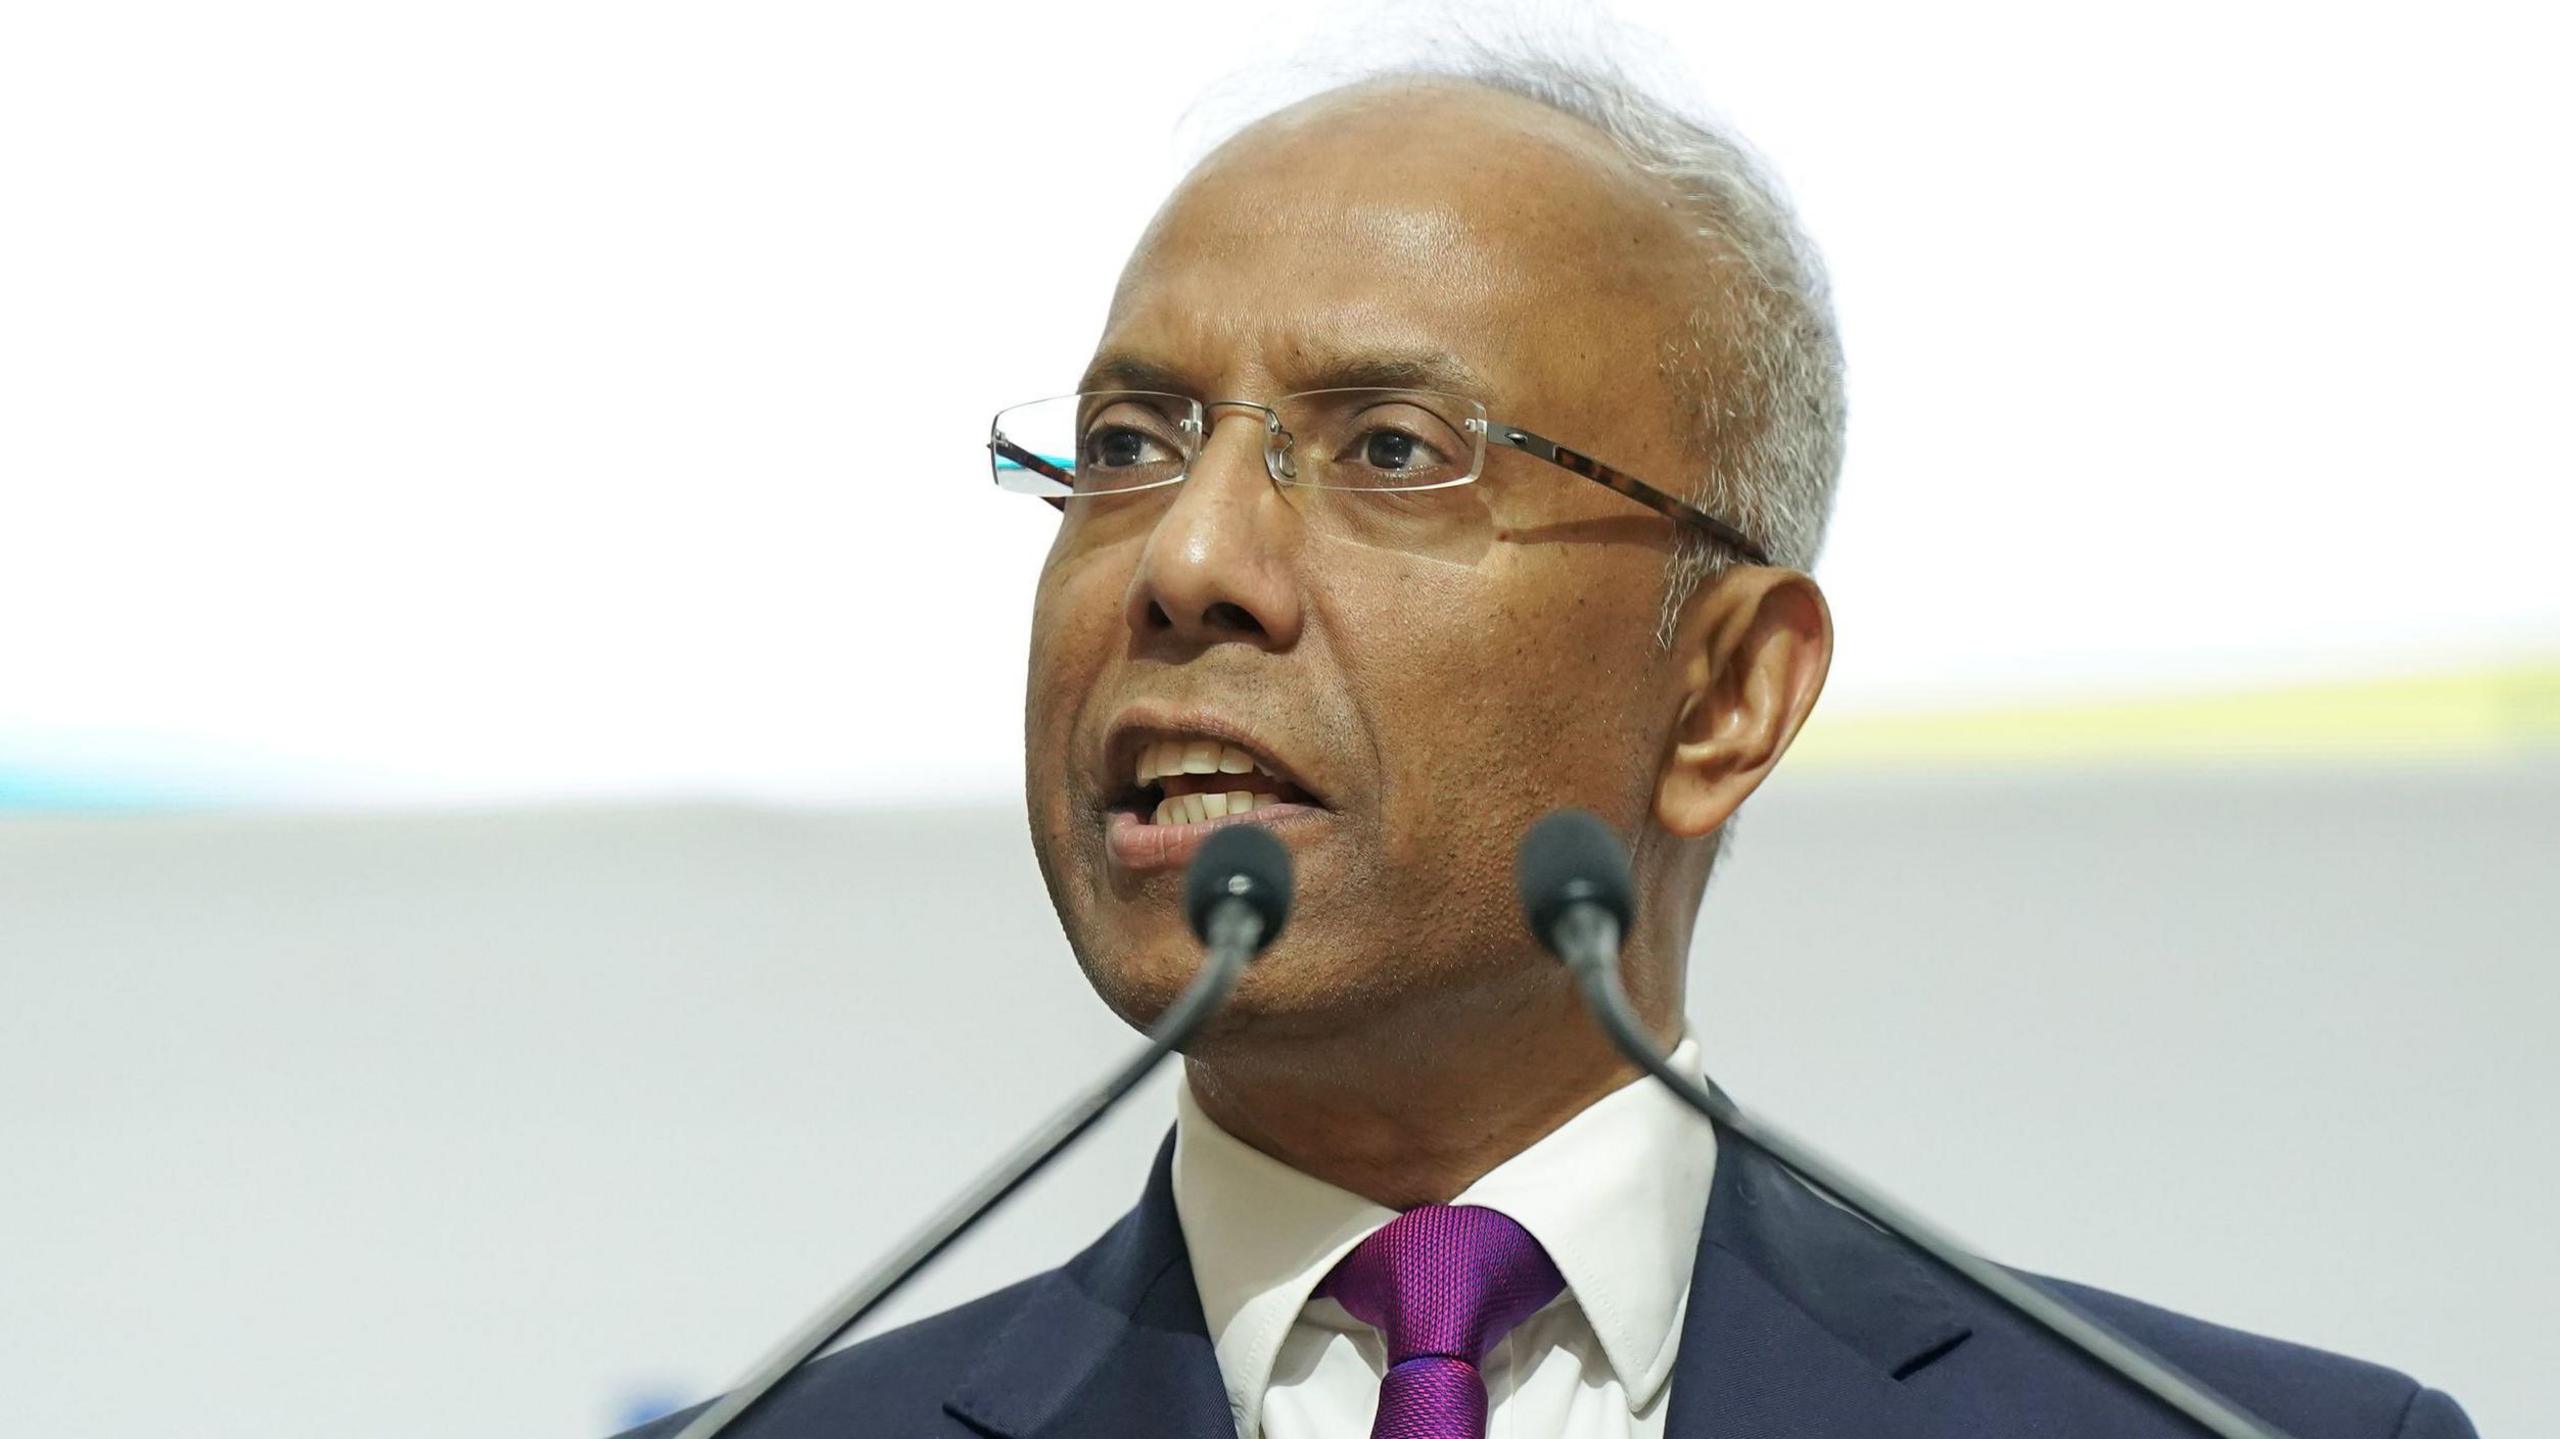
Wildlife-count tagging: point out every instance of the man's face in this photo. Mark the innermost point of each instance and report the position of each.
(1417, 677)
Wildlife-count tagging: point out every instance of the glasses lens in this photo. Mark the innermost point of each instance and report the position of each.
(1093, 444)
(1382, 439)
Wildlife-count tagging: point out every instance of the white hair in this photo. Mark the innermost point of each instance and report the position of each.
(1758, 362)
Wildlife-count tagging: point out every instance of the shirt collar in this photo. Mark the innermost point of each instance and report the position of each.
(1617, 1195)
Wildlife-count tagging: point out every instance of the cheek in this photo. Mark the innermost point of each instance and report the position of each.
(1076, 608)
(1504, 690)
(1073, 619)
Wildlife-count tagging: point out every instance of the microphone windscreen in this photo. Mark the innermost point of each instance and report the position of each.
(1238, 861)
(1571, 856)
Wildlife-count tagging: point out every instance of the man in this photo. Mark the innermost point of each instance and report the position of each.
(1318, 569)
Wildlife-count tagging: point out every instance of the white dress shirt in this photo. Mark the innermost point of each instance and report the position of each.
(1617, 1195)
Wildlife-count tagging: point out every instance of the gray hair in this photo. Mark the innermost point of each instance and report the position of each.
(1758, 363)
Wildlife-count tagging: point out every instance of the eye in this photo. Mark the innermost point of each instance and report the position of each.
(1379, 440)
(1127, 445)
(1118, 448)
(1388, 450)
(1393, 452)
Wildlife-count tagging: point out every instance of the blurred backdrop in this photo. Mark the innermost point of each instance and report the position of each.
(511, 872)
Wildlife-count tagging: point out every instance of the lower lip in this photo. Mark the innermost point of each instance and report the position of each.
(1139, 846)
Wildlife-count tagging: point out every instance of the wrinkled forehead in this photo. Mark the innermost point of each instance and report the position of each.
(1434, 220)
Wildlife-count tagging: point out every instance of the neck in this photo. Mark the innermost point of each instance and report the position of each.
(1402, 1121)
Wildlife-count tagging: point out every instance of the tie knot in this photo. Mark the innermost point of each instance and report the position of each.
(1446, 1281)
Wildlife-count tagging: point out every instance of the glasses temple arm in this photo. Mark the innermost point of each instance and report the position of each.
(1627, 485)
(1037, 464)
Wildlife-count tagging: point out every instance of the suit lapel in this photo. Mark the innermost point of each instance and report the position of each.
(1113, 1344)
(1804, 1321)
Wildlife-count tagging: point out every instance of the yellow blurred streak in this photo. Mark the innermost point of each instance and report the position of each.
(2500, 713)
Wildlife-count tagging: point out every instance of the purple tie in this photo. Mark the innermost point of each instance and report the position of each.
(1443, 1283)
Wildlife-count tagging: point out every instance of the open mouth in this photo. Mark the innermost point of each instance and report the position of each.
(1179, 781)
(1175, 786)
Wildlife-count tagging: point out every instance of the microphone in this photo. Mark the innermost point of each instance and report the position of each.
(1236, 895)
(1579, 895)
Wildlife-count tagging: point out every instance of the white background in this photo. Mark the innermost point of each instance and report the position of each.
(526, 400)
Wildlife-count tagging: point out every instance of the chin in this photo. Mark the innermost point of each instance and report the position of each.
(1139, 983)
(1300, 990)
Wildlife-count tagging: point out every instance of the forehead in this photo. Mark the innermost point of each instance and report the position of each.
(1424, 222)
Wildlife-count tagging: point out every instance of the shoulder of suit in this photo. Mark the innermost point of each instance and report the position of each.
(894, 1381)
(2305, 1390)
(1821, 1254)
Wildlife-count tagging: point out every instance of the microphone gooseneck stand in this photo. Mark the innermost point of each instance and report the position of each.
(1579, 894)
(1237, 897)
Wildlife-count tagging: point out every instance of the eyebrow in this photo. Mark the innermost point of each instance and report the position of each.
(1128, 372)
(1383, 370)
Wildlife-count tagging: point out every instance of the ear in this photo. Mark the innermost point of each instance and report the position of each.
(1752, 653)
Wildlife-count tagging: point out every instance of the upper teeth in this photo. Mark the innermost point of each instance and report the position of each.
(1197, 756)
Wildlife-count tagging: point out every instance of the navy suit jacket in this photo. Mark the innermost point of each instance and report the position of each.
(1804, 1323)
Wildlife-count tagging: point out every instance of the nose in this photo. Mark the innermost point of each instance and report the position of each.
(1221, 563)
